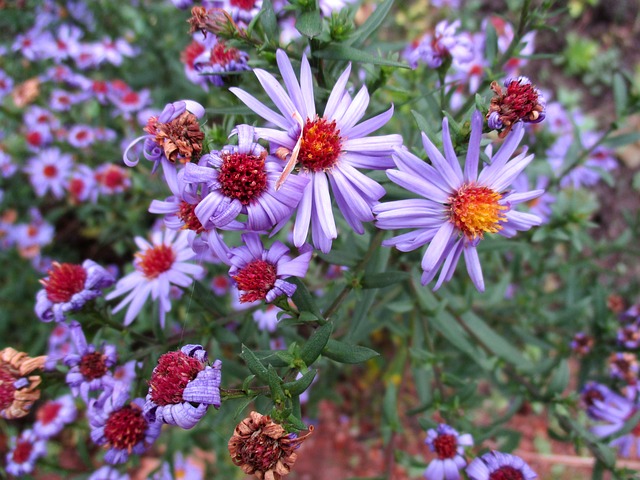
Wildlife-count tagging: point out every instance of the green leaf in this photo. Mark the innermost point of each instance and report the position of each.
(490, 43)
(207, 299)
(277, 358)
(346, 353)
(380, 280)
(275, 385)
(559, 379)
(300, 385)
(371, 24)
(309, 24)
(622, 140)
(496, 343)
(303, 299)
(296, 423)
(423, 124)
(316, 343)
(255, 366)
(337, 257)
(620, 96)
(268, 20)
(350, 54)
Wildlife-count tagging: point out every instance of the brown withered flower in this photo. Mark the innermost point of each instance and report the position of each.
(26, 92)
(17, 391)
(181, 138)
(263, 448)
(216, 21)
(519, 101)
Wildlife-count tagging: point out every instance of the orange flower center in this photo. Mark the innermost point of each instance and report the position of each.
(243, 176)
(171, 376)
(256, 279)
(125, 428)
(65, 280)
(155, 261)
(321, 145)
(187, 215)
(474, 210)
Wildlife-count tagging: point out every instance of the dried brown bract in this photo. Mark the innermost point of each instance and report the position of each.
(17, 391)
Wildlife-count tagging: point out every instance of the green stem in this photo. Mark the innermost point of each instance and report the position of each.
(376, 241)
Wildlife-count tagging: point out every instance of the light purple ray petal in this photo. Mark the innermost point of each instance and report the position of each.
(437, 247)
(355, 112)
(306, 85)
(336, 93)
(303, 216)
(370, 125)
(452, 174)
(276, 92)
(261, 109)
(322, 205)
(473, 154)
(473, 266)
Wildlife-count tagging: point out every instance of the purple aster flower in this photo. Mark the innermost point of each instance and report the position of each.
(30, 237)
(328, 149)
(89, 366)
(598, 399)
(242, 180)
(581, 343)
(497, 465)
(68, 287)
(521, 101)
(448, 445)
(616, 414)
(53, 415)
(66, 43)
(459, 206)
(49, 171)
(24, 451)
(267, 319)
(38, 138)
(59, 346)
(174, 135)
(80, 136)
(128, 101)
(260, 273)
(624, 366)
(112, 179)
(6, 84)
(120, 425)
(61, 100)
(87, 56)
(82, 185)
(126, 374)
(32, 45)
(182, 387)
(183, 468)
(38, 118)
(215, 60)
(7, 167)
(433, 49)
(158, 265)
(539, 206)
(108, 473)
(629, 335)
(114, 51)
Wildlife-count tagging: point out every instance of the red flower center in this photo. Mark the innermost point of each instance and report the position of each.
(113, 177)
(321, 145)
(131, 98)
(223, 55)
(92, 365)
(520, 99)
(445, 446)
(76, 187)
(506, 473)
(125, 428)
(243, 176)
(256, 279)
(7, 390)
(592, 395)
(171, 376)
(187, 215)
(82, 134)
(65, 280)
(243, 4)
(261, 452)
(189, 54)
(35, 138)
(48, 412)
(50, 171)
(155, 261)
(474, 210)
(22, 452)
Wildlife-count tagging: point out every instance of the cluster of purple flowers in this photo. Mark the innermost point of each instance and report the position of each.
(448, 445)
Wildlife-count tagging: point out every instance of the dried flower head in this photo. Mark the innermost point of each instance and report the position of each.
(264, 448)
(179, 138)
(214, 20)
(520, 100)
(17, 391)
